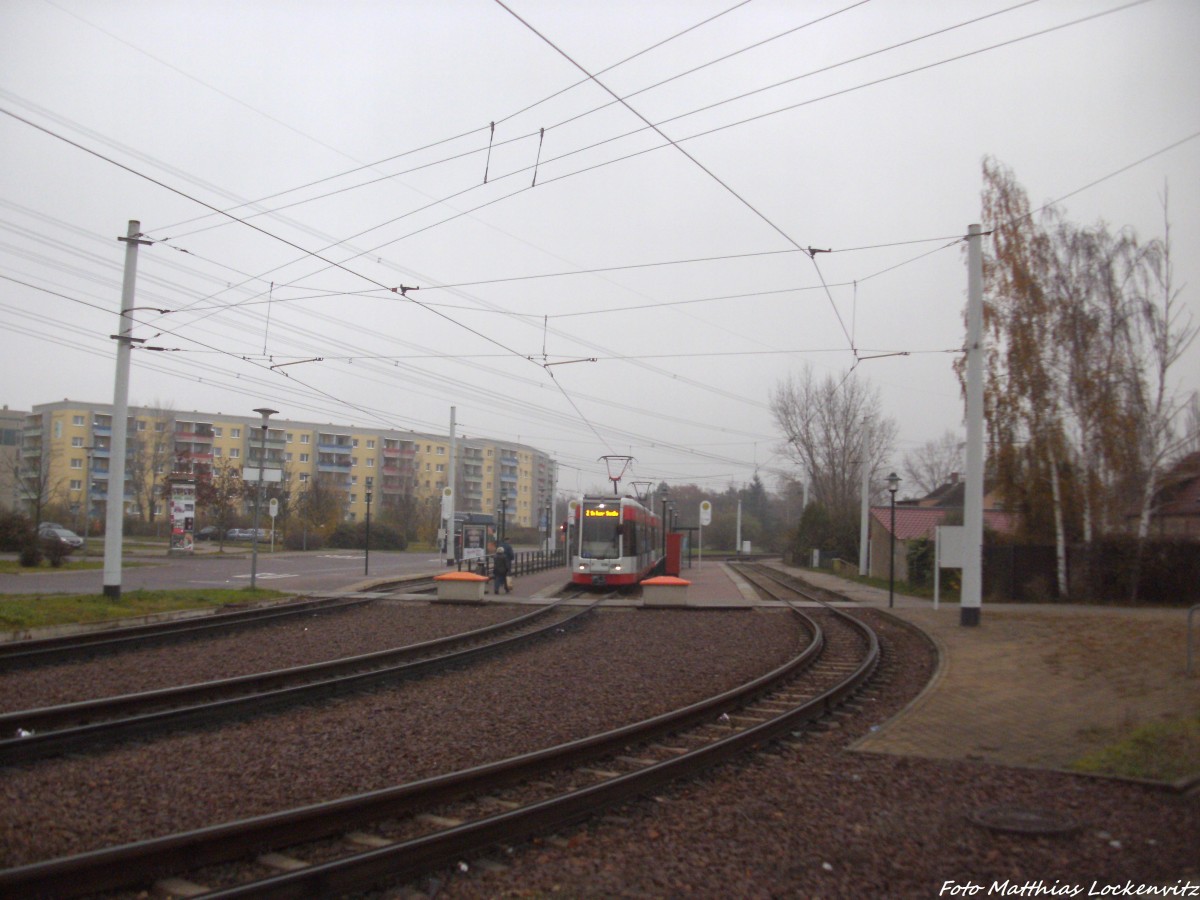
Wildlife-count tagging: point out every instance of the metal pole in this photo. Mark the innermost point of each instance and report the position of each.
(367, 551)
(114, 527)
(87, 496)
(972, 577)
(892, 557)
(262, 458)
(864, 521)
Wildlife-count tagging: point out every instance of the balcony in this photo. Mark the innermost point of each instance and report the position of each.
(197, 437)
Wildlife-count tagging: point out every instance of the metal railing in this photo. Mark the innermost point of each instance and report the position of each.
(525, 562)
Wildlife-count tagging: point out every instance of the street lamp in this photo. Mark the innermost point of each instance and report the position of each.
(87, 496)
(262, 459)
(665, 494)
(503, 512)
(367, 553)
(893, 484)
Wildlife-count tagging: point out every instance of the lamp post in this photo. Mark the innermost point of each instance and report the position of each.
(665, 494)
(893, 484)
(262, 458)
(367, 552)
(87, 495)
(503, 513)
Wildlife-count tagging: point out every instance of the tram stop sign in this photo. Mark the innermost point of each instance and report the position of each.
(705, 512)
(274, 507)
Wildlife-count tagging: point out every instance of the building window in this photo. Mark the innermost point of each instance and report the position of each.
(289, 437)
(371, 463)
(287, 457)
(77, 464)
(77, 420)
(235, 432)
(441, 467)
(76, 484)
(76, 442)
(217, 431)
(354, 498)
(57, 428)
(303, 477)
(441, 451)
(353, 461)
(235, 453)
(304, 438)
(303, 457)
(217, 452)
(354, 443)
(371, 444)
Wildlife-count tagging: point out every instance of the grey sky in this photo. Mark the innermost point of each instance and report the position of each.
(222, 103)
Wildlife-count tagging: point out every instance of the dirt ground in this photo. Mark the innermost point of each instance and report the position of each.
(1043, 686)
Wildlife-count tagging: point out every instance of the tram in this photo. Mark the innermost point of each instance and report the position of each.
(617, 542)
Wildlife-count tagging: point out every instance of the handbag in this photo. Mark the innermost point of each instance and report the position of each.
(508, 582)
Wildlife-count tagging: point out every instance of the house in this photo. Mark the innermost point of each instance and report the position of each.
(1176, 508)
(916, 519)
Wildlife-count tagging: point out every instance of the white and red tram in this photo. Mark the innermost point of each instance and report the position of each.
(617, 542)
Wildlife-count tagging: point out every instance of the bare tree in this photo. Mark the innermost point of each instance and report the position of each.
(1164, 335)
(935, 462)
(151, 454)
(823, 424)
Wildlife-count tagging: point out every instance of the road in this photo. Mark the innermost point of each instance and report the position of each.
(314, 571)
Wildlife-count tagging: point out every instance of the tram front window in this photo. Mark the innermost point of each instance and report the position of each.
(601, 538)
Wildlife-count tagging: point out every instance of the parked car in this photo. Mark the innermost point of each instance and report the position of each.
(64, 536)
(233, 534)
(208, 533)
(49, 525)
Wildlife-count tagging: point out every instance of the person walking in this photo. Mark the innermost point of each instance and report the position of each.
(500, 570)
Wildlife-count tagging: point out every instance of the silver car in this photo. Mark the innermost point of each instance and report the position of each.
(63, 535)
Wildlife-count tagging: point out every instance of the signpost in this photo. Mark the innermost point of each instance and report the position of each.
(705, 519)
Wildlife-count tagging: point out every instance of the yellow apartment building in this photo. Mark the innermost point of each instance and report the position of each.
(65, 461)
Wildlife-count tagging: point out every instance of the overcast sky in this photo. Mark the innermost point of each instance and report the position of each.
(349, 142)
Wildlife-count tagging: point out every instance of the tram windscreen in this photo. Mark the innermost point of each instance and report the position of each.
(601, 533)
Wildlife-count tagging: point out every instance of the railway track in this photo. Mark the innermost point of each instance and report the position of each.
(66, 648)
(355, 842)
(91, 724)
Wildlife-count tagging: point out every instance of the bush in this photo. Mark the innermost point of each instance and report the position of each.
(15, 531)
(299, 539)
(353, 535)
(31, 555)
(55, 551)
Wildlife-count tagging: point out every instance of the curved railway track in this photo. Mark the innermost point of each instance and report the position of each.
(397, 833)
(65, 648)
(91, 724)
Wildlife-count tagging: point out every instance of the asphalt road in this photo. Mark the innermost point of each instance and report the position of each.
(314, 571)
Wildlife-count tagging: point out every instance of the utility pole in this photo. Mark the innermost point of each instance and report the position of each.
(972, 577)
(448, 493)
(864, 531)
(114, 527)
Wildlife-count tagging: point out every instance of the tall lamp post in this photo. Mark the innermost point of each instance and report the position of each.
(893, 484)
(87, 495)
(262, 459)
(503, 513)
(665, 494)
(367, 552)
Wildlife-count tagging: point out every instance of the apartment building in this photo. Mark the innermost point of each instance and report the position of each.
(66, 460)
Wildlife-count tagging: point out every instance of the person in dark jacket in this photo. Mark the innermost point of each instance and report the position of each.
(500, 570)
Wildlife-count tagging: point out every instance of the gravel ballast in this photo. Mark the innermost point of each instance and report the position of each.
(806, 818)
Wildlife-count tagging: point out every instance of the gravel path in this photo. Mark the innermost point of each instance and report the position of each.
(617, 667)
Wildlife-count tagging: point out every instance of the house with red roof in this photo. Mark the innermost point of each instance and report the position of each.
(916, 519)
(1176, 508)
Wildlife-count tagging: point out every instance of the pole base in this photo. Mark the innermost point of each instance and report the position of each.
(112, 591)
(969, 616)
